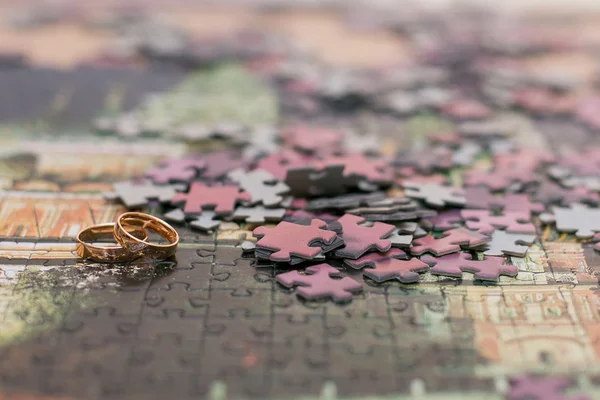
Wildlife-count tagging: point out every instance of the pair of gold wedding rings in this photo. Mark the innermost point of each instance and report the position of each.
(130, 232)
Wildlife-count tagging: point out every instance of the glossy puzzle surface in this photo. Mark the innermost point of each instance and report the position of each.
(372, 203)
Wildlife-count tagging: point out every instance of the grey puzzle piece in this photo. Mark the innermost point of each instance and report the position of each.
(435, 195)
(466, 153)
(261, 185)
(400, 241)
(577, 218)
(138, 194)
(176, 215)
(510, 244)
(206, 221)
(258, 214)
(308, 182)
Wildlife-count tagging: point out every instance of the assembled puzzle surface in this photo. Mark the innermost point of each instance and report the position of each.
(372, 203)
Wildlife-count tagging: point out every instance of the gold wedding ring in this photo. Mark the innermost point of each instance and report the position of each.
(86, 249)
(142, 247)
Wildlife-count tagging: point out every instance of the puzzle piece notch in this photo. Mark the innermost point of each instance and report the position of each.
(390, 265)
(434, 195)
(176, 170)
(287, 239)
(453, 265)
(450, 242)
(486, 222)
(220, 199)
(318, 282)
(261, 185)
(360, 239)
(541, 388)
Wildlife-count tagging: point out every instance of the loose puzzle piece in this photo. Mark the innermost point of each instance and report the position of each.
(258, 214)
(206, 221)
(308, 182)
(176, 170)
(479, 197)
(135, 195)
(450, 242)
(219, 163)
(550, 192)
(175, 215)
(541, 388)
(488, 269)
(221, 199)
(358, 166)
(312, 139)
(434, 195)
(287, 239)
(485, 221)
(278, 163)
(387, 266)
(443, 221)
(360, 239)
(510, 244)
(578, 218)
(345, 201)
(318, 283)
(260, 185)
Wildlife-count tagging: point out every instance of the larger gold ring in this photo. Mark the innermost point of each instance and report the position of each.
(143, 247)
(85, 248)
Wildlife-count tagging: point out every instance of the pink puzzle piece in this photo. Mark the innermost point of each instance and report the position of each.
(387, 266)
(450, 242)
(312, 138)
(288, 239)
(480, 197)
(360, 166)
(486, 222)
(489, 269)
(541, 388)
(318, 283)
(360, 239)
(467, 109)
(443, 221)
(201, 198)
(176, 170)
(278, 163)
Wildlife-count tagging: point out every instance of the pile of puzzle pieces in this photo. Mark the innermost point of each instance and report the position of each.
(391, 217)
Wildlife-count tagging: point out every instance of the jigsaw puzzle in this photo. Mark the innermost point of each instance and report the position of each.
(373, 200)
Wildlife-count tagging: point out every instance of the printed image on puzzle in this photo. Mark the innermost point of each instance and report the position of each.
(342, 201)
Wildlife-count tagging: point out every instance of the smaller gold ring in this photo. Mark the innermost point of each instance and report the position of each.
(143, 247)
(109, 254)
